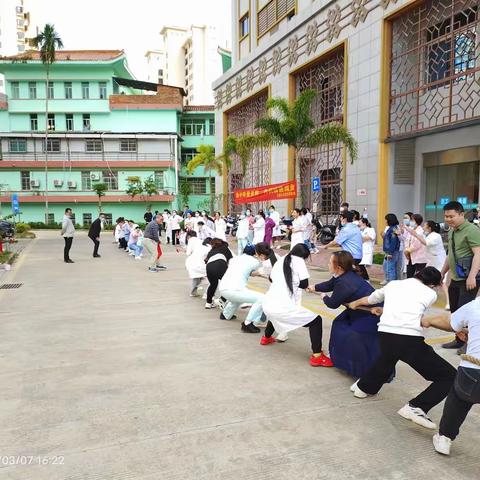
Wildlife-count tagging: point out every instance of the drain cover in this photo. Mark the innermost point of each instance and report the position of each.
(6, 286)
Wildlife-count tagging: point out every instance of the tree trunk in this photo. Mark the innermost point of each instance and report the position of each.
(100, 204)
(211, 191)
(46, 146)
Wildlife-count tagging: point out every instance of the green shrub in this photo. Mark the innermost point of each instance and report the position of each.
(378, 258)
(22, 227)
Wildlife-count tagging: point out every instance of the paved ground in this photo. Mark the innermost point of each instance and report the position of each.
(116, 373)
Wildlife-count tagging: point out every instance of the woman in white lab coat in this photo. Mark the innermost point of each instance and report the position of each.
(368, 239)
(195, 262)
(168, 225)
(220, 227)
(298, 228)
(259, 228)
(282, 303)
(242, 234)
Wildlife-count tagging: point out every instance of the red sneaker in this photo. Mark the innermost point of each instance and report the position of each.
(267, 341)
(321, 361)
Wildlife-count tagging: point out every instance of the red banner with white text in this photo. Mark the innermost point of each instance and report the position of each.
(277, 191)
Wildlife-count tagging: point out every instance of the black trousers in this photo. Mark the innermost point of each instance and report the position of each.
(421, 357)
(96, 244)
(459, 296)
(175, 234)
(215, 272)
(68, 246)
(362, 269)
(122, 243)
(413, 268)
(464, 394)
(314, 327)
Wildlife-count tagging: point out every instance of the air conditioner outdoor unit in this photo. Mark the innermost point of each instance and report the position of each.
(58, 183)
(72, 184)
(95, 176)
(35, 183)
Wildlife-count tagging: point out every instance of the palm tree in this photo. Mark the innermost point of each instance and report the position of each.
(292, 126)
(206, 158)
(100, 189)
(47, 41)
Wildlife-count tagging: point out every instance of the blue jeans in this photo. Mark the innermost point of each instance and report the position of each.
(390, 267)
(137, 249)
(236, 297)
(241, 244)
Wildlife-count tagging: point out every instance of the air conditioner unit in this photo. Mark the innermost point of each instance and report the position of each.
(35, 183)
(95, 176)
(72, 184)
(58, 183)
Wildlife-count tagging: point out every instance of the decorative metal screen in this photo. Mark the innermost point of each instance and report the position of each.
(326, 162)
(241, 121)
(435, 66)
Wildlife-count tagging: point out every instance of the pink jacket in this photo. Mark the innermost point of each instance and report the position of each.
(418, 252)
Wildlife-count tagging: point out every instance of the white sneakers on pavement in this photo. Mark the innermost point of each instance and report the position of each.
(416, 415)
(442, 444)
(357, 392)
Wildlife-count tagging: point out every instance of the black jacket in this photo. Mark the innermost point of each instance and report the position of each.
(95, 229)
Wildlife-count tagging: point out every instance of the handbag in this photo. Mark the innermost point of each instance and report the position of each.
(463, 265)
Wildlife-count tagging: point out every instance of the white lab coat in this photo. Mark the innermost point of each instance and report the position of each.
(275, 216)
(258, 230)
(297, 237)
(196, 254)
(282, 308)
(220, 228)
(367, 247)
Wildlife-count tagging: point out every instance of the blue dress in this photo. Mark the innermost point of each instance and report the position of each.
(353, 340)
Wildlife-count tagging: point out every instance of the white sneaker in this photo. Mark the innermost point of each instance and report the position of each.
(357, 392)
(416, 415)
(218, 302)
(209, 305)
(138, 258)
(261, 324)
(442, 444)
(281, 337)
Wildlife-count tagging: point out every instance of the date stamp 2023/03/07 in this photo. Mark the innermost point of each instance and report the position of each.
(31, 460)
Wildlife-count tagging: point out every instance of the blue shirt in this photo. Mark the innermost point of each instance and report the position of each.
(350, 239)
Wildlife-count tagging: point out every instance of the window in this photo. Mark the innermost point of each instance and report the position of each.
(160, 76)
(93, 145)
(18, 145)
(69, 122)
(87, 219)
(85, 90)
(192, 127)
(272, 13)
(20, 35)
(198, 186)
(21, 48)
(103, 90)
(50, 90)
(108, 218)
(51, 121)
(212, 185)
(33, 121)
(461, 47)
(32, 90)
(86, 181)
(111, 179)
(159, 180)
(72, 217)
(86, 122)
(50, 218)
(53, 145)
(211, 128)
(15, 90)
(20, 22)
(68, 90)
(128, 145)
(25, 180)
(244, 28)
(188, 154)
(19, 9)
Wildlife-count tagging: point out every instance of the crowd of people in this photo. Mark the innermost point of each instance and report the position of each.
(375, 329)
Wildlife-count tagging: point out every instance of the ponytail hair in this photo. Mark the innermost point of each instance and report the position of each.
(434, 226)
(263, 248)
(299, 250)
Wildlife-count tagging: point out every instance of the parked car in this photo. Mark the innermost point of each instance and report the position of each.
(7, 229)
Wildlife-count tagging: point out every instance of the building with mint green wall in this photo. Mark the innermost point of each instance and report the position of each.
(102, 128)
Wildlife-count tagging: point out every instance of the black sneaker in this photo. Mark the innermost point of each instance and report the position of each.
(455, 343)
(161, 267)
(462, 350)
(96, 256)
(69, 261)
(222, 317)
(250, 328)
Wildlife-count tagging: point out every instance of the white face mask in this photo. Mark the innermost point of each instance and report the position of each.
(197, 215)
(248, 212)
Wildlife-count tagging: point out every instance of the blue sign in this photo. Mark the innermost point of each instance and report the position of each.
(444, 200)
(316, 184)
(15, 204)
(462, 200)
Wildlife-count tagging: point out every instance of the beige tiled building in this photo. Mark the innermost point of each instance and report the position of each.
(402, 75)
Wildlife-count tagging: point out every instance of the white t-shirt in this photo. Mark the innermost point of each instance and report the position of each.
(243, 226)
(175, 222)
(238, 272)
(469, 316)
(405, 304)
(435, 251)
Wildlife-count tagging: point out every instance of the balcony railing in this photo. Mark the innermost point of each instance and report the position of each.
(86, 156)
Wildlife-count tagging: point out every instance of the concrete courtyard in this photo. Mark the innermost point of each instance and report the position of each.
(111, 372)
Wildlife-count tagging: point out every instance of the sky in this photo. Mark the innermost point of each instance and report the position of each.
(131, 25)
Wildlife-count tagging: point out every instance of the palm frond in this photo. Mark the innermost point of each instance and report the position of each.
(271, 127)
(48, 41)
(279, 104)
(333, 133)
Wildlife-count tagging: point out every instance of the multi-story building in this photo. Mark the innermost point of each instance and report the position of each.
(16, 29)
(402, 75)
(188, 58)
(101, 129)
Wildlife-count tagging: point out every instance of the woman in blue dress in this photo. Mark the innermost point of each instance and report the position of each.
(353, 338)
